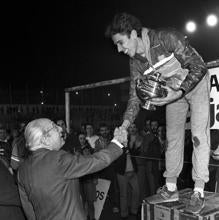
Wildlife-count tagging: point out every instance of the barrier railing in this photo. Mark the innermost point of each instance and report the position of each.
(210, 64)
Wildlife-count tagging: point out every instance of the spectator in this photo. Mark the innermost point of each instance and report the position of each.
(83, 127)
(88, 182)
(109, 172)
(5, 148)
(10, 205)
(154, 126)
(155, 151)
(8, 137)
(71, 140)
(161, 134)
(128, 183)
(146, 127)
(136, 144)
(150, 155)
(19, 150)
(103, 138)
(91, 136)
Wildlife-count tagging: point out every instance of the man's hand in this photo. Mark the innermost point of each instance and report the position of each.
(120, 134)
(172, 95)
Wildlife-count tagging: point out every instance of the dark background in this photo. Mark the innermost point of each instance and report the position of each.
(58, 44)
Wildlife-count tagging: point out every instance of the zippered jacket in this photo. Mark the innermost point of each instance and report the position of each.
(169, 52)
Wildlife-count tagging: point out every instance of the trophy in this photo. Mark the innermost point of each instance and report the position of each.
(150, 87)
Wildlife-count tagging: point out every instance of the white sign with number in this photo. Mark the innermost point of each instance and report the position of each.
(214, 100)
(101, 192)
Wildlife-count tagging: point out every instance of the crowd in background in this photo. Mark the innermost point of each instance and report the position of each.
(134, 176)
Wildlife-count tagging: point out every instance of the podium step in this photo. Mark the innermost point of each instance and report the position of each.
(154, 208)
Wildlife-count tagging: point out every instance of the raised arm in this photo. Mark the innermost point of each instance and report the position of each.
(133, 102)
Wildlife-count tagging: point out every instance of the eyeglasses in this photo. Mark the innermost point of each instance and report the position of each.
(54, 126)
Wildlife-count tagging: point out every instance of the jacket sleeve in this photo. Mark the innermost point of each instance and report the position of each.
(73, 166)
(177, 43)
(26, 204)
(133, 102)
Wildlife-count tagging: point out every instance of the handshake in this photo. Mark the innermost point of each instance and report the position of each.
(121, 134)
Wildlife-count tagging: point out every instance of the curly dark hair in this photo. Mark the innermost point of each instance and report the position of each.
(123, 23)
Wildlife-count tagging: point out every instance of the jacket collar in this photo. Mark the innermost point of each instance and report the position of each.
(40, 151)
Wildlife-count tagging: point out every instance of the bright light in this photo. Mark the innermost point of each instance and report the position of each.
(41, 91)
(108, 94)
(191, 26)
(211, 20)
(115, 105)
(76, 93)
(42, 103)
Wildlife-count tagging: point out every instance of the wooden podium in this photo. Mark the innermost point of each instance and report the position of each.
(155, 209)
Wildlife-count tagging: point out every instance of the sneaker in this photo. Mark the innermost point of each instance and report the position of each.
(163, 195)
(166, 195)
(196, 203)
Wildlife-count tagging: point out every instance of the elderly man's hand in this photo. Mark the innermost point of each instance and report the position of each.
(120, 134)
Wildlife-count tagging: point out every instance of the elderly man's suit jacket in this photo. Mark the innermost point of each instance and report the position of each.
(49, 185)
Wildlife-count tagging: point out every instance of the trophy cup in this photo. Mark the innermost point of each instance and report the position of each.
(150, 87)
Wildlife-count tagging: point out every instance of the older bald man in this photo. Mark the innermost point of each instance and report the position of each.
(48, 179)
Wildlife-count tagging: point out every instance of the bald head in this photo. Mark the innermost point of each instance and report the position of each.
(43, 133)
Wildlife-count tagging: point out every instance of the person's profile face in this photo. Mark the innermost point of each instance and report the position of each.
(161, 131)
(54, 133)
(125, 44)
(61, 123)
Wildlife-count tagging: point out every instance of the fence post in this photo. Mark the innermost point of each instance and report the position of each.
(67, 110)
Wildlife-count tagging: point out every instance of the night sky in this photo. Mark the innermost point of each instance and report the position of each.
(62, 44)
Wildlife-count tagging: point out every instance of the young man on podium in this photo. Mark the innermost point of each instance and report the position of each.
(167, 52)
